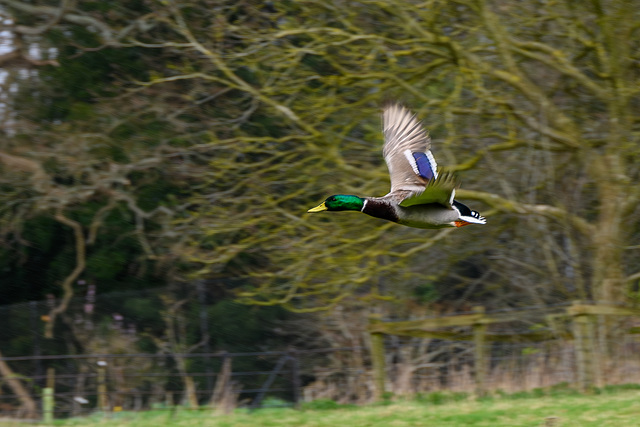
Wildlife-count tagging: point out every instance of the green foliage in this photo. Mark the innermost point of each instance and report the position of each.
(238, 327)
(557, 390)
(618, 387)
(324, 405)
(426, 293)
(274, 402)
(530, 350)
(616, 409)
(442, 397)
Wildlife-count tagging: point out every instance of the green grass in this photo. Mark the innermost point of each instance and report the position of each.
(607, 407)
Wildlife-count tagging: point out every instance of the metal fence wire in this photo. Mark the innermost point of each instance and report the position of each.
(83, 384)
(414, 362)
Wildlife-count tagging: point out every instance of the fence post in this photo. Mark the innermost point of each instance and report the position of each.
(377, 359)
(51, 378)
(584, 349)
(102, 386)
(47, 405)
(595, 351)
(480, 353)
(48, 396)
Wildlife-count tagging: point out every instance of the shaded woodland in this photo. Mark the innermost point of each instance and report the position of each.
(178, 144)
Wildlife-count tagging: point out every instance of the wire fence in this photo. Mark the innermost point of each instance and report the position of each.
(178, 374)
(134, 382)
(116, 382)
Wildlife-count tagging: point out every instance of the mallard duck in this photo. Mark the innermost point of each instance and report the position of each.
(420, 197)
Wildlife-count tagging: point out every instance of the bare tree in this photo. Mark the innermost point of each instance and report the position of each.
(272, 106)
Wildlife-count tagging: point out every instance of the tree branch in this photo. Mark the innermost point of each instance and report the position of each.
(54, 13)
(512, 206)
(55, 18)
(57, 14)
(232, 76)
(558, 61)
(29, 405)
(41, 180)
(67, 283)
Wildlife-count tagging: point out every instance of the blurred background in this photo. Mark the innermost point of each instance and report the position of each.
(157, 159)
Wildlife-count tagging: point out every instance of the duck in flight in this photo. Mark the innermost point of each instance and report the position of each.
(420, 196)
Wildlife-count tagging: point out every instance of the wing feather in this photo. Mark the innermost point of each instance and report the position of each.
(441, 190)
(412, 167)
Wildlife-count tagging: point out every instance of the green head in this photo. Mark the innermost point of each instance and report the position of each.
(340, 202)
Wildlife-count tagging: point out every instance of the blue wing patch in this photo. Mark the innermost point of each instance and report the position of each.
(426, 165)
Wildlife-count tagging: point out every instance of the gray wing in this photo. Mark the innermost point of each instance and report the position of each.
(412, 167)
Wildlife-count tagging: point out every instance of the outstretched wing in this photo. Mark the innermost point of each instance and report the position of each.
(412, 167)
(440, 190)
(406, 150)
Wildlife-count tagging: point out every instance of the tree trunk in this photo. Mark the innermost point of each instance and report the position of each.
(608, 275)
(28, 404)
(189, 385)
(220, 399)
(609, 241)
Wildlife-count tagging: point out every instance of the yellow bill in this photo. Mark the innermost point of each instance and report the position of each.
(321, 207)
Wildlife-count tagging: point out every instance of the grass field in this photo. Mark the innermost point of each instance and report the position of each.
(617, 407)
